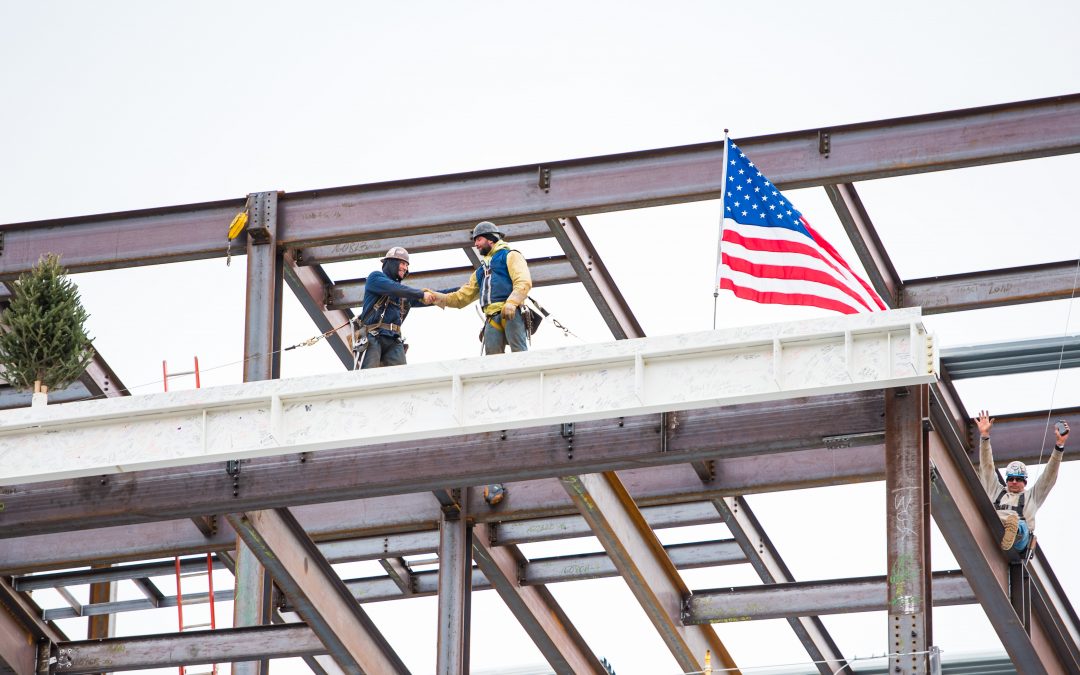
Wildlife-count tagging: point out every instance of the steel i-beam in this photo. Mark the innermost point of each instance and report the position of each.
(875, 259)
(262, 361)
(770, 567)
(316, 592)
(907, 477)
(455, 590)
(815, 598)
(453, 203)
(534, 606)
(640, 558)
(444, 400)
(312, 286)
(966, 519)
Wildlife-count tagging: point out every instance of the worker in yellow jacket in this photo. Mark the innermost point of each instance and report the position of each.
(501, 283)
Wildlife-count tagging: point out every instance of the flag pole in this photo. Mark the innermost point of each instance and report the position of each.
(720, 235)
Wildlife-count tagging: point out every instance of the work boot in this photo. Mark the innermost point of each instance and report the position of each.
(1011, 521)
(494, 493)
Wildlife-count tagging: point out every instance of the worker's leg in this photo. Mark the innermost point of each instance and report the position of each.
(1023, 536)
(494, 339)
(393, 352)
(517, 335)
(373, 354)
(1011, 522)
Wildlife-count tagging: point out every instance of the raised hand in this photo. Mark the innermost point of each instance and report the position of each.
(984, 422)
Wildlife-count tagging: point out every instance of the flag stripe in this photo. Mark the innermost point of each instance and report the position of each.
(784, 251)
(835, 254)
(791, 286)
(790, 273)
(774, 298)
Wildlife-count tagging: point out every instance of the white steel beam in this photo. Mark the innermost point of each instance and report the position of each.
(436, 400)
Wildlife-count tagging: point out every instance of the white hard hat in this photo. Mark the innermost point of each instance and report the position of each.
(1016, 470)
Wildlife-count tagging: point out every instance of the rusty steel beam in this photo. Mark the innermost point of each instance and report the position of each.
(814, 598)
(422, 243)
(311, 285)
(262, 361)
(966, 518)
(184, 649)
(875, 259)
(455, 576)
(316, 592)
(991, 288)
(535, 572)
(895, 147)
(770, 567)
(548, 271)
(18, 644)
(405, 523)
(594, 275)
(643, 563)
(477, 459)
(534, 607)
(22, 630)
(907, 527)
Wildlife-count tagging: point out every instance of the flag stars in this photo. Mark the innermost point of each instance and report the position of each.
(757, 189)
(753, 206)
(744, 213)
(772, 207)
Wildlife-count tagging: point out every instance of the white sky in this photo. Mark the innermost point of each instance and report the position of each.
(111, 106)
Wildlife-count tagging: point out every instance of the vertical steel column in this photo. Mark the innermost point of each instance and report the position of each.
(455, 589)
(907, 480)
(265, 263)
(262, 340)
(101, 626)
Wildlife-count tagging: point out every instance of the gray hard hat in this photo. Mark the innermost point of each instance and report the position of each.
(396, 253)
(484, 228)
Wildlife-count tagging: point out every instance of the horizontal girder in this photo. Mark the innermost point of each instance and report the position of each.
(865, 151)
(457, 398)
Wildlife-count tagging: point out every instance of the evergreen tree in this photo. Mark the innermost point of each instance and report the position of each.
(42, 332)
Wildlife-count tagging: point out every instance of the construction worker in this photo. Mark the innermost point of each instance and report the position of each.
(501, 283)
(1016, 505)
(386, 304)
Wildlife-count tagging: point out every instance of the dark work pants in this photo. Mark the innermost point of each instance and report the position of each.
(383, 350)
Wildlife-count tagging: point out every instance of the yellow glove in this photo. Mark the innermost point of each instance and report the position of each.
(509, 310)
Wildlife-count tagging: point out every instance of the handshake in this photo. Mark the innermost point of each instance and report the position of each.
(434, 298)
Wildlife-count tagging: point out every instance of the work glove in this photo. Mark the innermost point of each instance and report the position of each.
(509, 310)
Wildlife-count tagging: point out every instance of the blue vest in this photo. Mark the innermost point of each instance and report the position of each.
(493, 279)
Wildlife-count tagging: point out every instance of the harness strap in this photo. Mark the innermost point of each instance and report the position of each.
(1019, 508)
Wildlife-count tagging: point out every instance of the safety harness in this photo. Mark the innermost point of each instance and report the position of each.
(362, 330)
(1019, 508)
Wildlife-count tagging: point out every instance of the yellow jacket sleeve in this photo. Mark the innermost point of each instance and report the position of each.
(465, 294)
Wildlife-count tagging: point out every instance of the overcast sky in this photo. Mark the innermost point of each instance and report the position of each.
(111, 106)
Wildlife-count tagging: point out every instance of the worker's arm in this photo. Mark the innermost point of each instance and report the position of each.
(987, 473)
(380, 284)
(519, 277)
(1049, 475)
(461, 296)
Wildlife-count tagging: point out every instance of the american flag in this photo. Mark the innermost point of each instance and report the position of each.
(770, 254)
